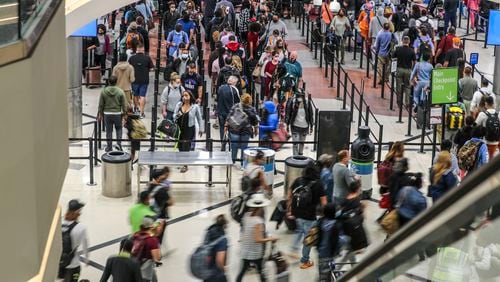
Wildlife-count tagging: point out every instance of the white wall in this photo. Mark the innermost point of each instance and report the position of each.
(34, 154)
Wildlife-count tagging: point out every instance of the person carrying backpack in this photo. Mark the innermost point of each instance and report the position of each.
(74, 236)
(171, 95)
(455, 119)
(122, 267)
(208, 261)
(304, 195)
(299, 115)
(241, 124)
(329, 241)
(489, 120)
(474, 153)
(146, 249)
(174, 39)
(423, 44)
(477, 103)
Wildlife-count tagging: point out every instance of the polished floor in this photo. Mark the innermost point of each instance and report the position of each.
(196, 205)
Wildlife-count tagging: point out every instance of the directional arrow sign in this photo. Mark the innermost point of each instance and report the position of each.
(444, 88)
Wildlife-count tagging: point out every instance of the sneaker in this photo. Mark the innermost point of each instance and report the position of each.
(143, 115)
(306, 265)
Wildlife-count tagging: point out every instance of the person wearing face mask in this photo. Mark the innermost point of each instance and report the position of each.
(102, 47)
(340, 24)
(171, 95)
(280, 48)
(187, 115)
(294, 68)
(299, 116)
(192, 82)
(170, 18)
(269, 72)
(278, 24)
(143, 32)
(188, 26)
(174, 39)
(181, 63)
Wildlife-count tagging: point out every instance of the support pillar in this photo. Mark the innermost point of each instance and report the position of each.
(74, 82)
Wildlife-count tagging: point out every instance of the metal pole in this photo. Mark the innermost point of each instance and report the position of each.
(332, 72)
(355, 44)
(345, 92)
(367, 64)
(326, 63)
(391, 103)
(210, 168)
(154, 112)
(468, 20)
(382, 91)
(95, 143)
(353, 91)
(338, 79)
(307, 31)
(375, 72)
(380, 136)
(424, 125)
(303, 21)
(485, 35)
(321, 55)
(316, 122)
(443, 123)
(367, 115)
(91, 164)
(315, 50)
(496, 72)
(400, 104)
(410, 110)
(360, 114)
(434, 137)
(99, 132)
(361, 53)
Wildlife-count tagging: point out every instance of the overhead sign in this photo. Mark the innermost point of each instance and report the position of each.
(89, 29)
(436, 115)
(474, 58)
(493, 37)
(444, 88)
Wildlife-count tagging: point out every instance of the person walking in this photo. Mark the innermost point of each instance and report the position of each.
(170, 18)
(125, 76)
(253, 237)
(383, 46)
(339, 25)
(219, 251)
(455, 57)
(329, 243)
(406, 58)
(112, 109)
(376, 25)
(141, 29)
(187, 114)
(450, 13)
(149, 255)
(445, 44)
(342, 177)
(411, 201)
(386, 168)
(466, 88)
(254, 170)
(142, 64)
(304, 196)
(477, 103)
(268, 124)
(481, 157)
(299, 116)
(174, 39)
(326, 175)
(74, 233)
(241, 124)
(227, 96)
(420, 79)
(171, 95)
(192, 81)
(442, 177)
(446, 146)
(490, 121)
(102, 47)
(399, 179)
(123, 267)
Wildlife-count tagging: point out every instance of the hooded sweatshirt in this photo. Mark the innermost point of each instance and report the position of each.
(112, 100)
(377, 23)
(271, 123)
(125, 74)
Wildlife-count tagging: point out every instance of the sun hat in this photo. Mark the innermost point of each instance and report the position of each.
(258, 200)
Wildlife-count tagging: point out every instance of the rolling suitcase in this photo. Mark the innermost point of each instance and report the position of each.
(92, 73)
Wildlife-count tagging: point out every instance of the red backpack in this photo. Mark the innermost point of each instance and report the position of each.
(384, 171)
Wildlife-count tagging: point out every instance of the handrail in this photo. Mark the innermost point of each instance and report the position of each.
(433, 227)
(29, 30)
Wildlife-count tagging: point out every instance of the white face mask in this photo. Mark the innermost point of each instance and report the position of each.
(184, 56)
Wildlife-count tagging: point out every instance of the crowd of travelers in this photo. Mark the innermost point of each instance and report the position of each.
(257, 91)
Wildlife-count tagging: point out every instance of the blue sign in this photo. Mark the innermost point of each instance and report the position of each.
(89, 29)
(493, 28)
(474, 58)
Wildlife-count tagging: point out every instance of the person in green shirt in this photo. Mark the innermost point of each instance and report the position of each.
(139, 211)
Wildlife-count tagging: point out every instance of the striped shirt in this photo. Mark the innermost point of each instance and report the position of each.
(251, 250)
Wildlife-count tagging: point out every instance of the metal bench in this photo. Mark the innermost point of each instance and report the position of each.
(195, 158)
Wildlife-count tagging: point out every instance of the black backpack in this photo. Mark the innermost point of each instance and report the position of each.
(424, 47)
(239, 206)
(492, 127)
(68, 251)
(302, 196)
(403, 21)
(428, 26)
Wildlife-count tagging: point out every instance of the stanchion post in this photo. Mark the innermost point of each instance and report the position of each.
(355, 45)
(338, 79)
(424, 126)
(315, 50)
(410, 111)
(434, 137)
(307, 30)
(321, 55)
(360, 114)
(344, 98)
(361, 53)
(367, 115)
(316, 122)
(367, 64)
(375, 72)
(380, 137)
(468, 20)
(326, 62)
(391, 103)
(95, 143)
(353, 90)
(382, 91)
(91, 163)
(303, 22)
(99, 134)
(400, 104)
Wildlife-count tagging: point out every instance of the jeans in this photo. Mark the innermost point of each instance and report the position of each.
(298, 135)
(325, 272)
(222, 122)
(219, 277)
(342, 50)
(403, 78)
(111, 121)
(417, 91)
(245, 264)
(450, 18)
(235, 145)
(303, 226)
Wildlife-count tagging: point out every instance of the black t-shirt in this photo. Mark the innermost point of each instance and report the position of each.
(142, 64)
(122, 269)
(309, 212)
(453, 55)
(191, 83)
(405, 56)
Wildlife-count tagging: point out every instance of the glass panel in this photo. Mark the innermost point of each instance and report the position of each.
(29, 11)
(8, 21)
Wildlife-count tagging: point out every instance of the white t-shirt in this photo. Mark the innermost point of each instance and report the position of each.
(481, 121)
(252, 170)
(78, 241)
(476, 99)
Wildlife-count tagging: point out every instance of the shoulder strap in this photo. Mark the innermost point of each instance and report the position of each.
(71, 226)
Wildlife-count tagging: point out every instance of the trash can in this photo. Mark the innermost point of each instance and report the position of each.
(116, 174)
(294, 166)
(249, 155)
(362, 155)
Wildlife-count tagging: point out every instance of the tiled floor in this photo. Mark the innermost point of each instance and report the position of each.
(106, 218)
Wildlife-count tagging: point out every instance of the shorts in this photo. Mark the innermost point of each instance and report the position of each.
(139, 89)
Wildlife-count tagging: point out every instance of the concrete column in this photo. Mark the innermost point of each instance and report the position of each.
(74, 78)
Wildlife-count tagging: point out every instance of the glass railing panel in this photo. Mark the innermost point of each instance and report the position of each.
(9, 22)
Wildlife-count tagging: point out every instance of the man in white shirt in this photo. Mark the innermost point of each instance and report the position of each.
(78, 234)
(425, 19)
(491, 132)
(478, 95)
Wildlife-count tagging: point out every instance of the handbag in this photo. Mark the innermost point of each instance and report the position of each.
(256, 71)
(385, 201)
(169, 128)
(312, 237)
(279, 135)
(390, 222)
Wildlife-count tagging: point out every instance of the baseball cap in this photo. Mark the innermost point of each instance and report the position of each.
(75, 205)
(147, 222)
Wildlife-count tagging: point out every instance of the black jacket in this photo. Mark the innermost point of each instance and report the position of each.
(169, 20)
(292, 107)
(122, 269)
